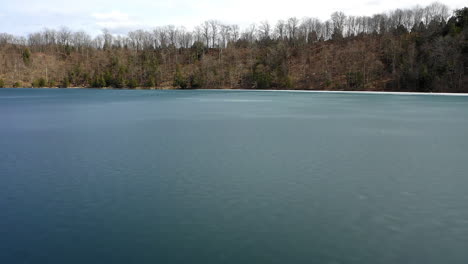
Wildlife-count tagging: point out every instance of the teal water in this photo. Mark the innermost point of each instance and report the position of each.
(120, 176)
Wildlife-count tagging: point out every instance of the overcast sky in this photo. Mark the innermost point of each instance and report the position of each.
(21, 17)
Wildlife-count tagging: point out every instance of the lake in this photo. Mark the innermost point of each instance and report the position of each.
(124, 176)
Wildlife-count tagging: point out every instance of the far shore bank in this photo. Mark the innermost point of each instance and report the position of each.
(256, 90)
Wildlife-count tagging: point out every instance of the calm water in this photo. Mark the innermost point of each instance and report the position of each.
(109, 176)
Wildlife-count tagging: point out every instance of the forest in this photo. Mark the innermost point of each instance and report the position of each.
(422, 49)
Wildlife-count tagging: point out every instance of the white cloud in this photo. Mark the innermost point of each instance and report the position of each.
(115, 20)
(114, 15)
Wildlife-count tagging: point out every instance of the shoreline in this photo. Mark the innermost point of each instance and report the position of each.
(255, 90)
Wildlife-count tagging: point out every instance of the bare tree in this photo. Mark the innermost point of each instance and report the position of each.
(235, 32)
(63, 36)
(280, 29)
(205, 28)
(408, 19)
(292, 26)
(185, 38)
(264, 30)
(225, 33)
(249, 33)
(338, 20)
(108, 38)
(172, 33)
(214, 27)
(197, 34)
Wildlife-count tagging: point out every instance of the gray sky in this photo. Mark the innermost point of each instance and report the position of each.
(21, 17)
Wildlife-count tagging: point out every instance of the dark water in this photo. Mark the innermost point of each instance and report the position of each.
(108, 176)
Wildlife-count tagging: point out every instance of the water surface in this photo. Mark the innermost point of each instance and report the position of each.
(121, 176)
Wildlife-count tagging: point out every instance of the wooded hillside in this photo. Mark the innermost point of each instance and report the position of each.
(419, 49)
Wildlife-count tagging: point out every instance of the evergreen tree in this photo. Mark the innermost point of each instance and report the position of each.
(179, 79)
(27, 56)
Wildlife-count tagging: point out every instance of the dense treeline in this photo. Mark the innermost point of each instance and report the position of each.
(418, 49)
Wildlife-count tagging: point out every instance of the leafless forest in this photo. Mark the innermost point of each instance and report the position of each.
(420, 49)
